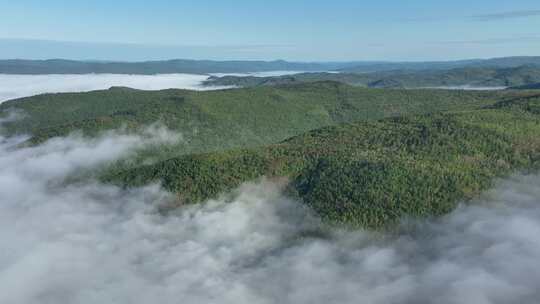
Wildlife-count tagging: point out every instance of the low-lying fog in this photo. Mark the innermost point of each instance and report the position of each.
(16, 86)
(94, 243)
(468, 88)
(260, 74)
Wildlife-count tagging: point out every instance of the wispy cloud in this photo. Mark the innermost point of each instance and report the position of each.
(478, 17)
(17, 86)
(425, 19)
(26, 48)
(506, 15)
(88, 243)
(500, 40)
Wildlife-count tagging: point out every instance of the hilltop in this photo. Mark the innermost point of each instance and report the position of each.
(63, 66)
(484, 77)
(370, 174)
(357, 156)
(502, 62)
(224, 119)
(533, 86)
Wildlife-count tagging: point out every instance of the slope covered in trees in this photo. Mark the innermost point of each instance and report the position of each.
(533, 86)
(370, 174)
(483, 77)
(63, 66)
(218, 120)
(357, 156)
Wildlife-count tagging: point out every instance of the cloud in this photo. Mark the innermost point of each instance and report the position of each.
(259, 74)
(17, 86)
(29, 48)
(501, 40)
(506, 15)
(478, 17)
(93, 243)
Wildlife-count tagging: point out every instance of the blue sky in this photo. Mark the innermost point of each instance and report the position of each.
(295, 29)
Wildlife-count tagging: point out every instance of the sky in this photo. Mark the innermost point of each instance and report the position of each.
(300, 30)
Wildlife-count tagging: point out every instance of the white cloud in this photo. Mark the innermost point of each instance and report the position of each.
(506, 15)
(259, 74)
(468, 88)
(17, 86)
(94, 243)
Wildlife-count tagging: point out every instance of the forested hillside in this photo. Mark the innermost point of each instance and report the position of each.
(224, 119)
(357, 156)
(482, 77)
(370, 174)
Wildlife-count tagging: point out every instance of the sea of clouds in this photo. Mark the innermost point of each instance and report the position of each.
(18, 86)
(470, 88)
(260, 74)
(86, 242)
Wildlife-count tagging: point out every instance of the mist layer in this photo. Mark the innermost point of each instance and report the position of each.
(17, 86)
(66, 242)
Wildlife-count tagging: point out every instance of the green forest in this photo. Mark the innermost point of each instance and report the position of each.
(484, 77)
(357, 156)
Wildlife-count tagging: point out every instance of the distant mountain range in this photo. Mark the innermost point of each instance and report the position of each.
(503, 62)
(532, 86)
(61, 66)
(485, 77)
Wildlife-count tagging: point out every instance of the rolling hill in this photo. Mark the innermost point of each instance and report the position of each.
(460, 77)
(503, 62)
(370, 174)
(533, 86)
(62, 66)
(224, 119)
(357, 156)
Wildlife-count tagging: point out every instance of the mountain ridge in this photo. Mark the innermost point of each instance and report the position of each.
(65, 66)
(357, 156)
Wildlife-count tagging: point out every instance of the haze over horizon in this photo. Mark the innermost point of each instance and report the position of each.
(115, 52)
(255, 30)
